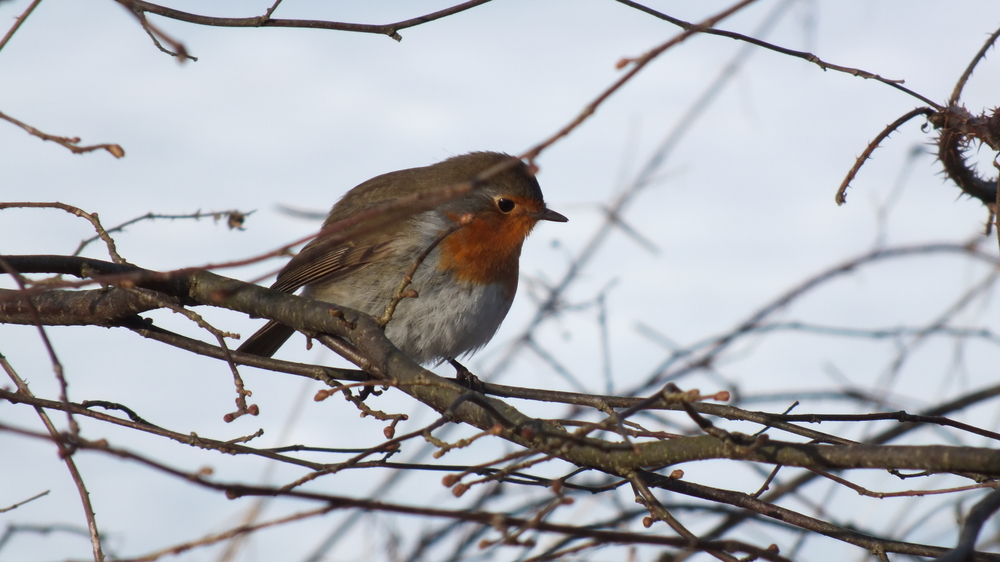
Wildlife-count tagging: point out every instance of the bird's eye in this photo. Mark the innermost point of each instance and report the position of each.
(505, 205)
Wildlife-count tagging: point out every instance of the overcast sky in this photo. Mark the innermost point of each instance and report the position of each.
(742, 210)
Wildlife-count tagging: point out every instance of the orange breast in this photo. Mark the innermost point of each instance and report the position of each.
(487, 249)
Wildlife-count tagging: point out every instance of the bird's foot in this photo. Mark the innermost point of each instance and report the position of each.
(464, 377)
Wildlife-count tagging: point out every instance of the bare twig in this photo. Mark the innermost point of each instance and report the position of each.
(900, 416)
(22, 502)
(155, 34)
(66, 453)
(18, 22)
(234, 220)
(239, 531)
(898, 84)
(190, 439)
(861, 490)
(68, 142)
(957, 92)
(342, 502)
(974, 522)
(220, 336)
(637, 65)
(401, 292)
(754, 505)
(265, 20)
(884, 437)
(552, 301)
(92, 218)
(841, 197)
(57, 366)
(703, 358)
(659, 513)
(384, 447)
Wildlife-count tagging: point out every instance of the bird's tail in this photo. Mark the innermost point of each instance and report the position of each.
(266, 341)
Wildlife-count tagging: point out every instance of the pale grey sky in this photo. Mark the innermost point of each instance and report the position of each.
(742, 210)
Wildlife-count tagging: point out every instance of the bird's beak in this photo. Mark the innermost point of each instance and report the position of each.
(550, 215)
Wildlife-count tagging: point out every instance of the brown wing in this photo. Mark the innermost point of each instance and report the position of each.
(323, 260)
(318, 263)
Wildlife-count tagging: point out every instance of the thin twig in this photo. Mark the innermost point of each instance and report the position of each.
(92, 218)
(155, 34)
(386, 446)
(789, 487)
(717, 345)
(659, 513)
(974, 522)
(22, 502)
(751, 505)
(861, 490)
(552, 301)
(401, 292)
(66, 453)
(239, 531)
(265, 20)
(342, 502)
(68, 142)
(18, 22)
(841, 197)
(190, 439)
(637, 65)
(898, 84)
(234, 220)
(900, 416)
(957, 92)
(57, 366)
(241, 392)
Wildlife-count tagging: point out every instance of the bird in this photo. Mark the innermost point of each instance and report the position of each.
(465, 285)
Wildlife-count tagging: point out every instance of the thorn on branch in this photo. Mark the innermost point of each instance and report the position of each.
(841, 197)
(958, 129)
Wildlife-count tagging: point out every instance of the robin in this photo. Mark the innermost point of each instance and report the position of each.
(464, 286)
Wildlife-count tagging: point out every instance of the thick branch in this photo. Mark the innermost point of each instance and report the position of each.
(378, 356)
(98, 307)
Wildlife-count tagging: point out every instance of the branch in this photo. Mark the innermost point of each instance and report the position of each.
(978, 516)
(959, 129)
(390, 29)
(957, 92)
(66, 453)
(637, 65)
(898, 84)
(17, 23)
(497, 520)
(69, 142)
(755, 505)
(702, 355)
(841, 197)
(22, 502)
(377, 355)
(183, 438)
(884, 437)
